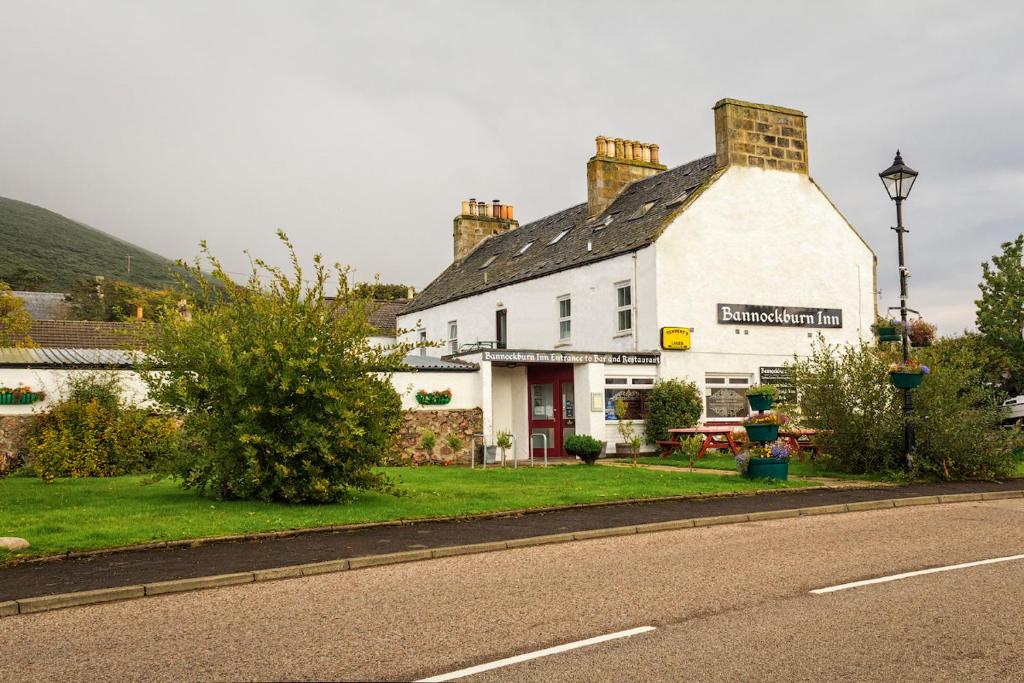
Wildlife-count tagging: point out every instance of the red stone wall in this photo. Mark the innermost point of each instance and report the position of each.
(464, 423)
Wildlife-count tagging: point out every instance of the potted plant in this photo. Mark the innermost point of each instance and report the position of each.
(764, 428)
(504, 442)
(761, 396)
(768, 462)
(921, 333)
(887, 329)
(907, 374)
(584, 447)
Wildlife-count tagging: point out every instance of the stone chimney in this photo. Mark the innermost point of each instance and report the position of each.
(479, 220)
(616, 165)
(760, 135)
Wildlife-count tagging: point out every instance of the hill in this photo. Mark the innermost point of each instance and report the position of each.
(44, 251)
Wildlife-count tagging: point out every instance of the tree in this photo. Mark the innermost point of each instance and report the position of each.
(282, 394)
(15, 322)
(671, 403)
(1000, 314)
(382, 290)
(116, 300)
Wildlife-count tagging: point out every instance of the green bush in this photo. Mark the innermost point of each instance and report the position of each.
(586, 447)
(91, 433)
(285, 397)
(845, 393)
(671, 403)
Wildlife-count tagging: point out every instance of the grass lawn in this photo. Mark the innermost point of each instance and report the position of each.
(715, 461)
(84, 514)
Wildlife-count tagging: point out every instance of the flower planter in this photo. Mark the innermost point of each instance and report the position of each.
(767, 432)
(433, 399)
(760, 402)
(906, 380)
(768, 468)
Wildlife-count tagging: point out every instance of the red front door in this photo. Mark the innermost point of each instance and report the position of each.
(552, 408)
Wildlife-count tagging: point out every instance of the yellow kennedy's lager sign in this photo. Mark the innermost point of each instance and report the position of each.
(675, 338)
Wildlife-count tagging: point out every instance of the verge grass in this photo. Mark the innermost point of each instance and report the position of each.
(797, 468)
(85, 514)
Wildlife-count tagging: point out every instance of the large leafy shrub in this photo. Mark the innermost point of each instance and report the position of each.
(284, 397)
(92, 433)
(671, 403)
(845, 393)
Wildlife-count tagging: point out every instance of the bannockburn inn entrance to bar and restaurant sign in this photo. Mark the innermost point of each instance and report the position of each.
(552, 407)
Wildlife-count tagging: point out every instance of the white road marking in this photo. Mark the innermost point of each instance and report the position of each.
(907, 575)
(536, 655)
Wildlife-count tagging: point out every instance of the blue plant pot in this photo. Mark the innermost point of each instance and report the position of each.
(762, 432)
(760, 402)
(768, 468)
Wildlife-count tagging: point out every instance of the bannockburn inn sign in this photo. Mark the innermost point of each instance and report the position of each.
(779, 316)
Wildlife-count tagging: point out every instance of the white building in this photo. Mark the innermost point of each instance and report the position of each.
(741, 249)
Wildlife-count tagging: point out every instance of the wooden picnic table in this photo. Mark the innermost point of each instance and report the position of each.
(800, 440)
(712, 439)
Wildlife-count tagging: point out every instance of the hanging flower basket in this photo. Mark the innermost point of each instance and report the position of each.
(906, 380)
(887, 330)
(20, 396)
(434, 398)
(761, 397)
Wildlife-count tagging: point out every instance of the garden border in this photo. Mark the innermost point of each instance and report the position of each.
(62, 600)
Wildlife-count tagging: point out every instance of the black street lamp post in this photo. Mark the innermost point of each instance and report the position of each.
(898, 179)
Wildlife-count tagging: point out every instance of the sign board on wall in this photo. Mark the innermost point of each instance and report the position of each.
(611, 358)
(782, 380)
(675, 338)
(779, 316)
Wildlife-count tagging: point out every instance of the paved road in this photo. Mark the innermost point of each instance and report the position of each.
(729, 603)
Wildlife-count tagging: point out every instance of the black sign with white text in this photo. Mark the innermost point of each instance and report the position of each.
(779, 316)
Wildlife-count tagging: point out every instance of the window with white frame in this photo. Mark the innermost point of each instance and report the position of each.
(453, 336)
(564, 318)
(632, 392)
(623, 307)
(725, 396)
(423, 342)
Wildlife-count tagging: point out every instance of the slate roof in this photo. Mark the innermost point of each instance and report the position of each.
(66, 358)
(385, 317)
(45, 305)
(418, 362)
(85, 334)
(631, 228)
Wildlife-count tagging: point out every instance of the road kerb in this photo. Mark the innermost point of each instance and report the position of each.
(328, 567)
(823, 510)
(1002, 495)
(277, 573)
(389, 558)
(960, 498)
(179, 585)
(9, 608)
(670, 525)
(472, 549)
(45, 603)
(539, 540)
(721, 519)
(604, 533)
(862, 505)
(916, 500)
(773, 514)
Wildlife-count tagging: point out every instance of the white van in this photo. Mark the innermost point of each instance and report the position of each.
(1013, 410)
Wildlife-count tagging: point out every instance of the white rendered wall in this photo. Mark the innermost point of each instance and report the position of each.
(465, 388)
(759, 237)
(533, 309)
(54, 383)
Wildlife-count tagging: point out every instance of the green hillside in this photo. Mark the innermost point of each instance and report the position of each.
(43, 251)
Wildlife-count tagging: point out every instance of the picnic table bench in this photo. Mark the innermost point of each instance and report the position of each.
(720, 436)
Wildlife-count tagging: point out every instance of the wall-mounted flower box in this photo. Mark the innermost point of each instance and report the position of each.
(20, 396)
(434, 398)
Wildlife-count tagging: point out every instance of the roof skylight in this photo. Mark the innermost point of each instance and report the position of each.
(642, 211)
(526, 246)
(558, 237)
(489, 261)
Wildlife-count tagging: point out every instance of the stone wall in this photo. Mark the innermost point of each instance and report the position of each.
(13, 432)
(464, 423)
(760, 135)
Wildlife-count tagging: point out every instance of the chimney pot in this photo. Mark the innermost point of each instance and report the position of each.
(601, 146)
(465, 208)
(654, 154)
(619, 149)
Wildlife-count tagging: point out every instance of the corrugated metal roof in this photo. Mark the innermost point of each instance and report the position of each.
(417, 362)
(67, 358)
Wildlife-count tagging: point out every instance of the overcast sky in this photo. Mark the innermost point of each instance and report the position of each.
(358, 127)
